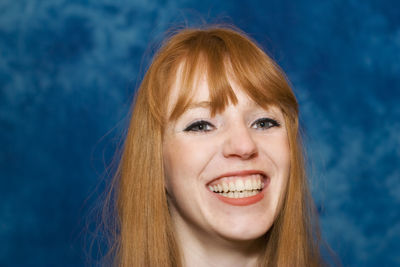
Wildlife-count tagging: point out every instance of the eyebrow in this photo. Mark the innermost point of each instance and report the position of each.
(207, 104)
(202, 104)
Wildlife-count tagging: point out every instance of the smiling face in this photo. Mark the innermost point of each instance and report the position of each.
(225, 174)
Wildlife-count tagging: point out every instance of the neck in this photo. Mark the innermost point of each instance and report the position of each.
(202, 249)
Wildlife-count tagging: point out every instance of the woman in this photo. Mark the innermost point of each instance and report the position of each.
(212, 169)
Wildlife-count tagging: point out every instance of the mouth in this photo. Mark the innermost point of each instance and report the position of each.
(241, 188)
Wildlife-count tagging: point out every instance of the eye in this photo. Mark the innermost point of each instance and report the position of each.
(199, 126)
(265, 123)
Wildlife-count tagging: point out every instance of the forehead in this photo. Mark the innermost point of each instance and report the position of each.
(200, 80)
(198, 88)
(199, 94)
(196, 91)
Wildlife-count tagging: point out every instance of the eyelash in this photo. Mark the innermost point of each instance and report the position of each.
(271, 122)
(201, 126)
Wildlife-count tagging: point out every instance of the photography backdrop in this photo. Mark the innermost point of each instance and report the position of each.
(68, 71)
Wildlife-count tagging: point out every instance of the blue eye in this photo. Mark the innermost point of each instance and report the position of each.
(199, 126)
(265, 123)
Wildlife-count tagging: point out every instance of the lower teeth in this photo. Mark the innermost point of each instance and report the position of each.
(242, 194)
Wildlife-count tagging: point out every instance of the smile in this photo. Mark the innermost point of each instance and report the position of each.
(238, 187)
(241, 189)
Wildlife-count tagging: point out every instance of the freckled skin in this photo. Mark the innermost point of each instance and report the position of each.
(232, 142)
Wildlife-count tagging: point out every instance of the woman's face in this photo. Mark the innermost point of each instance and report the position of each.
(225, 174)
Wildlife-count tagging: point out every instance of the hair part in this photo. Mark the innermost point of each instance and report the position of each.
(145, 235)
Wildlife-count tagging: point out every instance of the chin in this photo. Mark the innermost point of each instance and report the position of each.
(245, 230)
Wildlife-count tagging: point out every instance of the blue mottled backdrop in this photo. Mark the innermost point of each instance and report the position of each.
(68, 70)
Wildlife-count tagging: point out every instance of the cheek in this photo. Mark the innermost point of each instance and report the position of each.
(277, 150)
(283, 154)
(170, 157)
(183, 162)
(282, 161)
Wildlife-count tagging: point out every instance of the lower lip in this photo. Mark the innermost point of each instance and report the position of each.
(245, 201)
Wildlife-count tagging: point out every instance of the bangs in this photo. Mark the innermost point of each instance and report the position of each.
(224, 56)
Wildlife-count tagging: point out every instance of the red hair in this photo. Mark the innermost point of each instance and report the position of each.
(144, 235)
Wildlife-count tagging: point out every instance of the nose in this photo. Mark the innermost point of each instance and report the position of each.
(239, 143)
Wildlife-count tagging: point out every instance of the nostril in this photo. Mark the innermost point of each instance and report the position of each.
(250, 155)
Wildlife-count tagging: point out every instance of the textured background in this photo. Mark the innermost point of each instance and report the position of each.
(68, 70)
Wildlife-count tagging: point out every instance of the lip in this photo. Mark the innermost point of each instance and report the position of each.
(246, 201)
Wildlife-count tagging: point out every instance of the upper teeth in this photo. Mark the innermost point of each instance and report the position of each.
(231, 184)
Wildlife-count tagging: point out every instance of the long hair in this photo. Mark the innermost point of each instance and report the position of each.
(144, 234)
